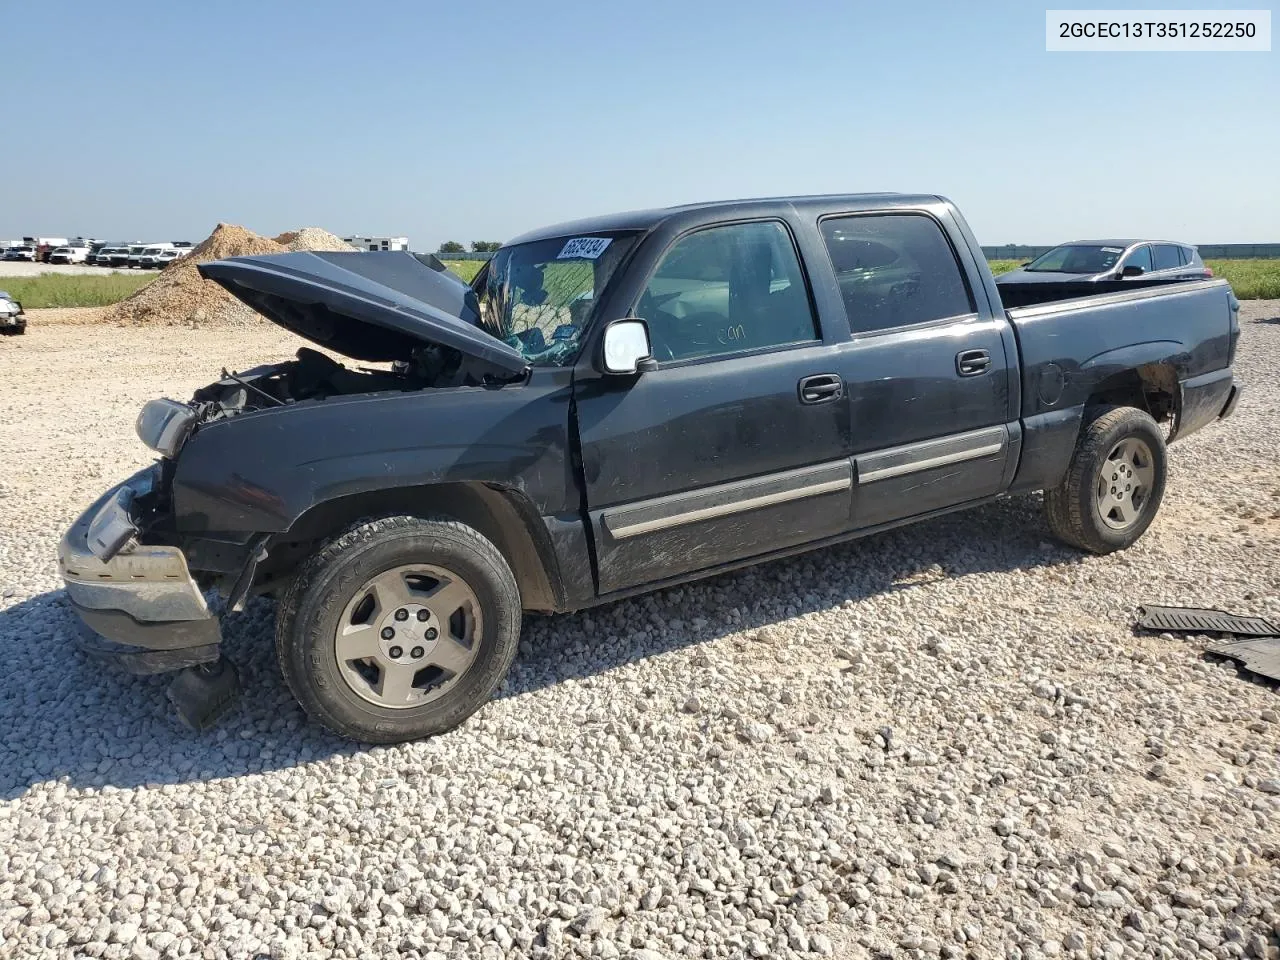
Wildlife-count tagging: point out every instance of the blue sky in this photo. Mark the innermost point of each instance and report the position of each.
(474, 121)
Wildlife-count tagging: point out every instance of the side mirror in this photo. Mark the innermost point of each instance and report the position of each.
(626, 347)
(1132, 270)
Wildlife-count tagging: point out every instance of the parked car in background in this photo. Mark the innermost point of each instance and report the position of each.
(69, 255)
(157, 258)
(145, 258)
(1085, 268)
(136, 252)
(21, 252)
(46, 245)
(112, 256)
(12, 319)
(613, 406)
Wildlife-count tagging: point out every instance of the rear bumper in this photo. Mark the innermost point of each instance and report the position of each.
(140, 604)
(1203, 399)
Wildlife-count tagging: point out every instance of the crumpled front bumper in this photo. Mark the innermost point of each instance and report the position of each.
(139, 603)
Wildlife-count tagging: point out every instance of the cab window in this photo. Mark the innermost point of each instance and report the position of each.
(1139, 257)
(895, 270)
(1166, 256)
(725, 290)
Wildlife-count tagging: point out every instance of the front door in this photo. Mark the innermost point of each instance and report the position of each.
(737, 444)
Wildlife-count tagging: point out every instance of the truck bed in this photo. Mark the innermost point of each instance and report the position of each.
(1182, 337)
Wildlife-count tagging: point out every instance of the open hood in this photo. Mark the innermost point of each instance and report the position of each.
(376, 307)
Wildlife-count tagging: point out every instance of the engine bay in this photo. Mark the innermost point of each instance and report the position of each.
(316, 376)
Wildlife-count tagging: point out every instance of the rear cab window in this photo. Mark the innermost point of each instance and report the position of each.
(895, 270)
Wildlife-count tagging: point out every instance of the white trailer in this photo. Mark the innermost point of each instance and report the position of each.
(378, 243)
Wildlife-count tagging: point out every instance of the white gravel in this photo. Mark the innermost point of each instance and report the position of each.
(21, 268)
(942, 741)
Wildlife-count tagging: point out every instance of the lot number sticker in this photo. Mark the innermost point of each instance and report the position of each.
(583, 248)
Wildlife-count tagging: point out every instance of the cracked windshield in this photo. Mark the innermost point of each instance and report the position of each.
(538, 296)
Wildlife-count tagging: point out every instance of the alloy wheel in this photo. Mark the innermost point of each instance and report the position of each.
(1125, 483)
(408, 635)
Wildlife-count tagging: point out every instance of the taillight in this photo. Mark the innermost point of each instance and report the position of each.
(1208, 272)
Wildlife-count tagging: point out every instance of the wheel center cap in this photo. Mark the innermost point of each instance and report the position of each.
(408, 633)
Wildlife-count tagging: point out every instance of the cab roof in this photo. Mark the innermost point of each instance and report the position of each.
(1121, 243)
(645, 220)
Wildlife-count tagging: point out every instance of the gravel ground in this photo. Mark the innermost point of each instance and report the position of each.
(942, 741)
(21, 268)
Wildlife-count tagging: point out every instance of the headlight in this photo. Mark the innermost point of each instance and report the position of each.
(164, 425)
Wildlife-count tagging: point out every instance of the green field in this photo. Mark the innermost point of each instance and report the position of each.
(101, 290)
(1250, 279)
(466, 269)
(74, 290)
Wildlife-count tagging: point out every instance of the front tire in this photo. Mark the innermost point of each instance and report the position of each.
(1114, 484)
(400, 628)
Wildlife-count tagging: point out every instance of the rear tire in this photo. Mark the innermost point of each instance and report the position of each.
(379, 584)
(1114, 485)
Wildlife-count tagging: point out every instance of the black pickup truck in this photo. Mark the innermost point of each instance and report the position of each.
(613, 406)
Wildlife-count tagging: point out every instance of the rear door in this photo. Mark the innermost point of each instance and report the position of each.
(737, 443)
(928, 370)
(1172, 262)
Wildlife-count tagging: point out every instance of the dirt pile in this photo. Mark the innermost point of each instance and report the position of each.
(312, 238)
(181, 296)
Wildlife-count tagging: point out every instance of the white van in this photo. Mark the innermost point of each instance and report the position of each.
(68, 254)
(113, 255)
(155, 258)
(140, 250)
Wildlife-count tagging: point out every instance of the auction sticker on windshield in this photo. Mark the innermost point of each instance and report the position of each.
(583, 248)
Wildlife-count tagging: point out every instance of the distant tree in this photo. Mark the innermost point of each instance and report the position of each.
(484, 246)
(451, 246)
